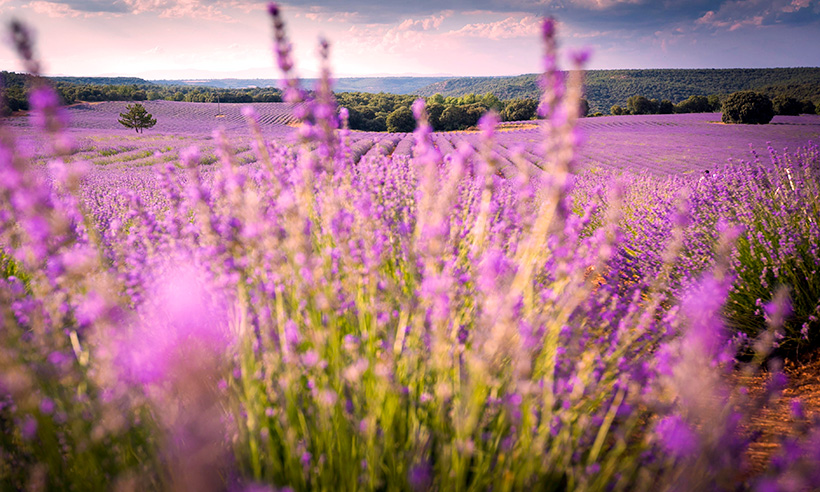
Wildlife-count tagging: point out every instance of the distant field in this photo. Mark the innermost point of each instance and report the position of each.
(656, 144)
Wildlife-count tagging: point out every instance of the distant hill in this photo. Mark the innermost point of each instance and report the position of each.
(392, 85)
(220, 83)
(102, 80)
(605, 88)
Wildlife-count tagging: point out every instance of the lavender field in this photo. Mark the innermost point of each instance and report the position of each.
(660, 145)
(284, 304)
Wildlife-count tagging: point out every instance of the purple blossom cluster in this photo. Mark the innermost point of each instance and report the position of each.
(421, 312)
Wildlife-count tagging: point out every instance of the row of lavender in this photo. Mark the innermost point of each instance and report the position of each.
(657, 144)
(315, 322)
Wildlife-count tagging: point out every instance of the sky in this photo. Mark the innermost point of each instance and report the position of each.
(191, 39)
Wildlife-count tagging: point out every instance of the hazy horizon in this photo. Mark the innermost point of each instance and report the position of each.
(190, 39)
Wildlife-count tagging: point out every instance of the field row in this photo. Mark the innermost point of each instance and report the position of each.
(655, 144)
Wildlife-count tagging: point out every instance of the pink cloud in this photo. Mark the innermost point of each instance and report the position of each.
(410, 34)
(737, 14)
(602, 4)
(53, 9)
(425, 24)
(511, 27)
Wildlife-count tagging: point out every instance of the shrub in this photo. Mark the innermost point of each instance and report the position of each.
(785, 105)
(747, 107)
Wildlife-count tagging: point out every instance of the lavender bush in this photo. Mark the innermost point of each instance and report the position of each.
(468, 318)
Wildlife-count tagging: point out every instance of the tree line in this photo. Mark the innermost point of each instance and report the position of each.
(781, 104)
(607, 88)
(391, 112)
(15, 92)
(388, 112)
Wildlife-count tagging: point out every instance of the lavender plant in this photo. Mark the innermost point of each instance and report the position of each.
(468, 317)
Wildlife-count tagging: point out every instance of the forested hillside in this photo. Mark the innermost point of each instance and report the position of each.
(605, 88)
(391, 85)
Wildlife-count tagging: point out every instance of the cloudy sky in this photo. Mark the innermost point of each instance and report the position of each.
(231, 38)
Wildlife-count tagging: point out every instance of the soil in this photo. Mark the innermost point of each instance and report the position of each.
(777, 420)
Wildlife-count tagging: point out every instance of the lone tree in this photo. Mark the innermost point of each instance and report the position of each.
(137, 117)
(747, 107)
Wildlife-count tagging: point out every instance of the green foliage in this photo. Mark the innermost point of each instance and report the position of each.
(434, 114)
(401, 121)
(452, 118)
(695, 104)
(779, 249)
(605, 88)
(786, 105)
(136, 117)
(642, 105)
(13, 92)
(519, 110)
(371, 112)
(617, 110)
(92, 89)
(747, 107)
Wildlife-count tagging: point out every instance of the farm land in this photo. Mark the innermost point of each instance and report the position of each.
(659, 145)
(284, 304)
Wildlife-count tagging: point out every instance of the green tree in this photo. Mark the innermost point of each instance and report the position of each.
(747, 107)
(434, 115)
(491, 101)
(454, 118)
(137, 117)
(474, 114)
(519, 110)
(666, 107)
(401, 121)
(786, 105)
(617, 110)
(642, 105)
(694, 104)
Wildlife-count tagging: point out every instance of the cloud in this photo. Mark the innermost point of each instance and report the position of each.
(410, 34)
(735, 14)
(53, 9)
(511, 27)
(603, 4)
(77, 8)
(200, 9)
(424, 24)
